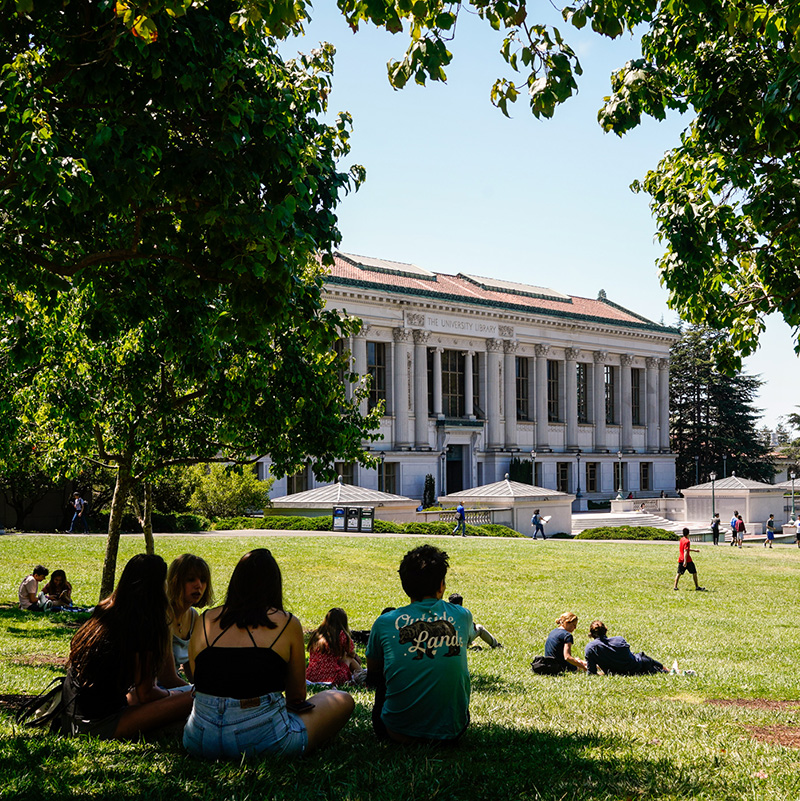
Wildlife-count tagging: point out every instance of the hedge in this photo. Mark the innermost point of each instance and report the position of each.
(627, 533)
(169, 523)
(296, 523)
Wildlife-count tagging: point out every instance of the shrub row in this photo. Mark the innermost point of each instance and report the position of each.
(295, 523)
(627, 533)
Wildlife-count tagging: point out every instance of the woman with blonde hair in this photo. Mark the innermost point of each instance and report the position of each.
(559, 643)
(188, 587)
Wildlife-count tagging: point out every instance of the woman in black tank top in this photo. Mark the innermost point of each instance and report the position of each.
(248, 662)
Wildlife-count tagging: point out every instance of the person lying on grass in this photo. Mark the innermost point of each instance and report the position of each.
(477, 629)
(188, 586)
(244, 655)
(417, 658)
(558, 645)
(613, 655)
(331, 653)
(110, 689)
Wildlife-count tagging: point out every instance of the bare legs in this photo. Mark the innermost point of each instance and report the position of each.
(332, 709)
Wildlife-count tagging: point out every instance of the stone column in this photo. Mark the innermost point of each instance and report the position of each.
(510, 391)
(437, 383)
(402, 386)
(360, 360)
(652, 405)
(421, 387)
(493, 348)
(663, 404)
(469, 387)
(599, 404)
(626, 401)
(540, 367)
(571, 386)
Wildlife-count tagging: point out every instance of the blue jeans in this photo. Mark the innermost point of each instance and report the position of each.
(461, 524)
(227, 727)
(539, 529)
(82, 517)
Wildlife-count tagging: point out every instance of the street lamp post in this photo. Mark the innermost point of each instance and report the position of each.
(792, 476)
(725, 465)
(696, 470)
(382, 473)
(578, 491)
(713, 478)
(444, 473)
(533, 467)
(619, 477)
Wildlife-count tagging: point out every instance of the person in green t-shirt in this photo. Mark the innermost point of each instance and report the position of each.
(417, 657)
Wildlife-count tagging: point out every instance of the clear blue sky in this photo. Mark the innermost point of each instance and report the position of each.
(454, 186)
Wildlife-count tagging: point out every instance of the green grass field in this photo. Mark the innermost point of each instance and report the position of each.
(569, 737)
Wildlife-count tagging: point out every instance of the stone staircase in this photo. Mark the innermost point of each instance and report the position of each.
(583, 520)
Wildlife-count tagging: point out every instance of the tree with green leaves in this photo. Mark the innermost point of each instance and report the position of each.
(227, 491)
(712, 414)
(161, 211)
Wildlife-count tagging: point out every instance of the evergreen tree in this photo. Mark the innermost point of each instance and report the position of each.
(712, 414)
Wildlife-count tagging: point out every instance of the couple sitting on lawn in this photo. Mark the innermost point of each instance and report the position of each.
(247, 661)
(611, 655)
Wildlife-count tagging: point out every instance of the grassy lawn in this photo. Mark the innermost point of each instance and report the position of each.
(570, 737)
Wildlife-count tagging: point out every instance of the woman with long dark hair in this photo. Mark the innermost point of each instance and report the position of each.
(244, 656)
(110, 690)
(331, 653)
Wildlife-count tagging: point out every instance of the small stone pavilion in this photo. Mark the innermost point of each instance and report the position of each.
(754, 501)
(511, 503)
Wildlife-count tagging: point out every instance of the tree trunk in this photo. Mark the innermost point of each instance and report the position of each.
(147, 519)
(121, 492)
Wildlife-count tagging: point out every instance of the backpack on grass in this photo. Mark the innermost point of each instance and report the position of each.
(46, 711)
(546, 666)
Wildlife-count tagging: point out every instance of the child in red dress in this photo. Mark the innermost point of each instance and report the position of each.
(331, 654)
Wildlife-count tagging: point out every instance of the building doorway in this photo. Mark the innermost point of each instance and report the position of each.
(455, 469)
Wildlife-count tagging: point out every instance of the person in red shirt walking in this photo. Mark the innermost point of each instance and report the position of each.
(685, 563)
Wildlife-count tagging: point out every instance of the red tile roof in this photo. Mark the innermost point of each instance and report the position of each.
(411, 280)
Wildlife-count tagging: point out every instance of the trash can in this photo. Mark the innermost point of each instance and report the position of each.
(338, 518)
(353, 518)
(367, 518)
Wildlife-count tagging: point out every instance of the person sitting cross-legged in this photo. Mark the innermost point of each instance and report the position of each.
(417, 657)
(613, 655)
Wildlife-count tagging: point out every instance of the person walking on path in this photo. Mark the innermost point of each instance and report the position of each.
(538, 524)
(461, 520)
(740, 531)
(685, 562)
(734, 521)
(770, 531)
(79, 505)
(797, 533)
(715, 528)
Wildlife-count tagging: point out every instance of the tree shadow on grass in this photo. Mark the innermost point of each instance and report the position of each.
(491, 762)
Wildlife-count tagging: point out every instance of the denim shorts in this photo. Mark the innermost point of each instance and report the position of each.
(219, 728)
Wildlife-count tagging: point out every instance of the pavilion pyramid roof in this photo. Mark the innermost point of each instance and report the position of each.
(339, 494)
(733, 482)
(506, 489)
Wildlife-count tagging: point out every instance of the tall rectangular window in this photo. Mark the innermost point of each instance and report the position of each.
(388, 478)
(376, 369)
(562, 476)
(592, 472)
(522, 388)
(476, 389)
(298, 482)
(553, 410)
(636, 396)
(537, 474)
(583, 392)
(611, 375)
(453, 383)
(347, 471)
(644, 476)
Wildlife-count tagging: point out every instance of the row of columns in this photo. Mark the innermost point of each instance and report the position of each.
(410, 371)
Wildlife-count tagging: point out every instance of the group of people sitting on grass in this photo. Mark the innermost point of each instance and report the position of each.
(611, 655)
(235, 676)
(56, 594)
